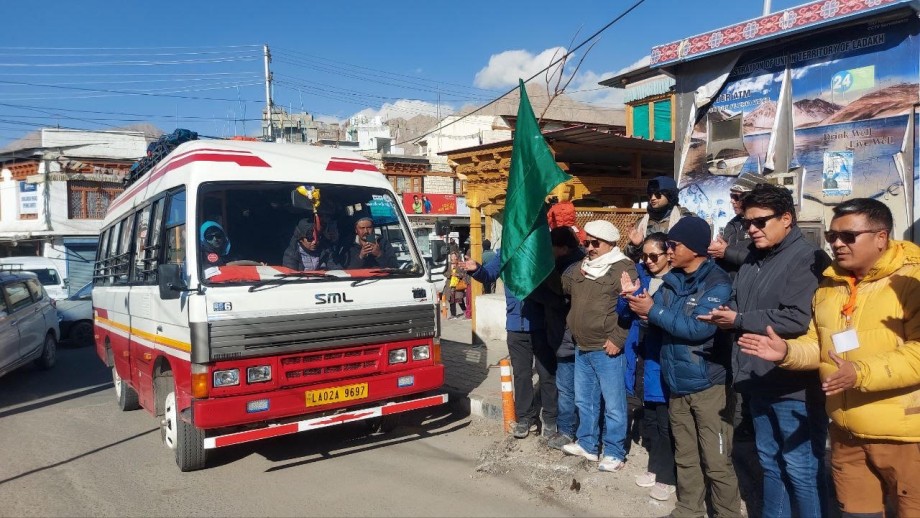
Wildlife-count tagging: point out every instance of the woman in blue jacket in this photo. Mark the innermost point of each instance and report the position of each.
(645, 343)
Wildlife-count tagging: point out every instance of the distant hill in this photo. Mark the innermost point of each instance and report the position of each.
(760, 118)
(809, 112)
(563, 108)
(886, 102)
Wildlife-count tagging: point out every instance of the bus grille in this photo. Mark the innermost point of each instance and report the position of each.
(332, 365)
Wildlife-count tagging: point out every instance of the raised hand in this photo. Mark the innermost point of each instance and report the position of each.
(717, 248)
(635, 236)
(844, 378)
(627, 285)
(469, 265)
(770, 347)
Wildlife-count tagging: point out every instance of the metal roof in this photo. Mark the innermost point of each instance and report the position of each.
(820, 13)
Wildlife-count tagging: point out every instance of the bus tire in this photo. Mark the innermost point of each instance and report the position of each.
(186, 441)
(127, 396)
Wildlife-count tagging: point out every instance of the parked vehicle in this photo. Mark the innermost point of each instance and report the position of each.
(76, 316)
(206, 327)
(47, 271)
(28, 322)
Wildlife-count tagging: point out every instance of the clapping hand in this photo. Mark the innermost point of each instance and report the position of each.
(717, 248)
(640, 304)
(770, 347)
(722, 316)
(627, 285)
(844, 378)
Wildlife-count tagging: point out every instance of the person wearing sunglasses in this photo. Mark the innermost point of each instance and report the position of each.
(600, 337)
(645, 376)
(730, 248)
(663, 212)
(694, 370)
(864, 341)
(214, 245)
(774, 287)
(313, 246)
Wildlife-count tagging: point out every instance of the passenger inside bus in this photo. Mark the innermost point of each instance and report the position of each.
(215, 246)
(314, 247)
(369, 250)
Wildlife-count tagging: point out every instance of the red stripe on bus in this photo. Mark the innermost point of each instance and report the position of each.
(344, 165)
(255, 435)
(413, 405)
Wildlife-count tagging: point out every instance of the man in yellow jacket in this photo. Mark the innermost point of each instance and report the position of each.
(864, 340)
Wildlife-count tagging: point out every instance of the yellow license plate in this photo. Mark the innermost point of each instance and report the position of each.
(328, 396)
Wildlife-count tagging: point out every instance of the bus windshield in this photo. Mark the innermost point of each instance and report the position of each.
(257, 231)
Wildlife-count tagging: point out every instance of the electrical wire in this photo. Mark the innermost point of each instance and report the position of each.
(551, 65)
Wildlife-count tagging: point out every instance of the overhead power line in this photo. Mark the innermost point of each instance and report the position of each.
(551, 65)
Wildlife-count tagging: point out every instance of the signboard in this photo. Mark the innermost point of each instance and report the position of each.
(442, 204)
(28, 198)
(848, 97)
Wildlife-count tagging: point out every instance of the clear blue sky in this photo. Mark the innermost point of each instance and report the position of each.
(197, 64)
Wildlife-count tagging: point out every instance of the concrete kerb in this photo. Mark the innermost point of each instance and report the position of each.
(472, 378)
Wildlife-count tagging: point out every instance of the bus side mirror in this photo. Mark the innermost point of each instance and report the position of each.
(169, 277)
(438, 251)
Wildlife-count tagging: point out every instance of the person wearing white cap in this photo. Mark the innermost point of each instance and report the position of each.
(600, 335)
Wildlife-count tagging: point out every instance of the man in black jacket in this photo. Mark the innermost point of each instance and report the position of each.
(731, 248)
(775, 287)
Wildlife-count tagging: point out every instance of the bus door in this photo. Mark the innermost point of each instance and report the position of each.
(170, 317)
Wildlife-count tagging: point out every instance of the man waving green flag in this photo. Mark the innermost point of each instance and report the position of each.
(527, 256)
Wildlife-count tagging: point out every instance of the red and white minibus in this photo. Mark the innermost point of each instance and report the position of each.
(226, 340)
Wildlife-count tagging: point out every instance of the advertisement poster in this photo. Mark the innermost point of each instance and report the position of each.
(837, 175)
(848, 92)
(425, 203)
(28, 198)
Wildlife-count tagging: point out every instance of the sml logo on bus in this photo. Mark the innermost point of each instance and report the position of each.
(332, 298)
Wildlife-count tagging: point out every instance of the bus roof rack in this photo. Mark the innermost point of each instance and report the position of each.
(156, 151)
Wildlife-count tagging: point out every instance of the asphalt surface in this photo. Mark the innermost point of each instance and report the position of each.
(69, 451)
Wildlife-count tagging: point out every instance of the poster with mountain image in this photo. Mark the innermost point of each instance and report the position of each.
(850, 92)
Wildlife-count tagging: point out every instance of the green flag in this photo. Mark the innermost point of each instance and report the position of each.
(527, 255)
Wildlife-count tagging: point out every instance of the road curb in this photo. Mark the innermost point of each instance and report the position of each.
(474, 404)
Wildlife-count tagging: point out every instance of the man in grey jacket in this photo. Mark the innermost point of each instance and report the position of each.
(775, 287)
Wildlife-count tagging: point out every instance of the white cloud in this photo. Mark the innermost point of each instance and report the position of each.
(752, 84)
(585, 88)
(406, 108)
(641, 62)
(505, 68)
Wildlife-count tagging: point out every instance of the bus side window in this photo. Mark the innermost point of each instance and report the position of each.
(175, 229)
(111, 253)
(123, 258)
(156, 237)
(141, 235)
(101, 254)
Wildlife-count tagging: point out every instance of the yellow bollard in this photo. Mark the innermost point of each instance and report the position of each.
(508, 415)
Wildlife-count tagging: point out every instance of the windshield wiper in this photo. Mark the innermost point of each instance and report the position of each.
(284, 278)
(390, 272)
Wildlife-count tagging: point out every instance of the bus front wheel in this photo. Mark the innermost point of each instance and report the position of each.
(186, 441)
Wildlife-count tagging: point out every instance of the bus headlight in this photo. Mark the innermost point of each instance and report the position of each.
(259, 374)
(398, 356)
(226, 378)
(422, 352)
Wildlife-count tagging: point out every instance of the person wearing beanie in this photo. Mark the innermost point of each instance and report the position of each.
(694, 371)
(600, 335)
(664, 211)
(774, 288)
(730, 248)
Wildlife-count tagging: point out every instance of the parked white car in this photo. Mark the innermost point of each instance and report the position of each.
(28, 323)
(76, 316)
(45, 269)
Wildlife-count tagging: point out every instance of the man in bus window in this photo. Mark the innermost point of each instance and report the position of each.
(214, 244)
(312, 248)
(367, 250)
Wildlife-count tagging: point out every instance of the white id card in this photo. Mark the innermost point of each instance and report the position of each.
(845, 341)
(211, 272)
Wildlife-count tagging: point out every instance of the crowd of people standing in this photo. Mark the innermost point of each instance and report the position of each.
(692, 337)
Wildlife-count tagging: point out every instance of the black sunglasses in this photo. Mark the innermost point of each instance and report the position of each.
(655, 194)
(596, 243)
(757, 222)
(211, 236)
(653, 257)
(735, 196)
(672, 244)
(848, 237)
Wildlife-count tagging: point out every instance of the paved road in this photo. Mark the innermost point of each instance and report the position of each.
(68, 451)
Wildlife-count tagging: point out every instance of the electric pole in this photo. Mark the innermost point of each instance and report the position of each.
(270, 137)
